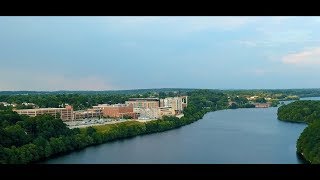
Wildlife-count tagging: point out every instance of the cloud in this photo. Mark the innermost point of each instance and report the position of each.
(282, 31)
(306, 57)
(276, 38)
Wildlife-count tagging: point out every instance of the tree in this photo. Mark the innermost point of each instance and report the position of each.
(233, 106)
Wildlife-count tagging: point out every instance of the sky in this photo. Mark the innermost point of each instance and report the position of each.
(114, 53)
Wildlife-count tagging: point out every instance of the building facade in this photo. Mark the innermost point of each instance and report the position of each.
(116, 110)
(148, 113)
(89, 113)
(166, 111)
(143, 102)
(177, 103)
(66, 114)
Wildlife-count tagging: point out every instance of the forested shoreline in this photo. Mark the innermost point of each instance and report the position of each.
(306, 111)
(30, 139)
(300, 111)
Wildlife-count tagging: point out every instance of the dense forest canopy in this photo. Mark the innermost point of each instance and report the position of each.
(300, 111)
(307, 111)
(309, 142)
(312, 92)
(78, 101)
(86, 99)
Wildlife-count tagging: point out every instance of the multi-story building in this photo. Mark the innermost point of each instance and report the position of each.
(143, 102)
(66, 114)
(116, 110)
(144, 107)
(89, 113)
(177, 103)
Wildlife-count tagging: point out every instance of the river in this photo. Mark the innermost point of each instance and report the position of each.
(237, 136)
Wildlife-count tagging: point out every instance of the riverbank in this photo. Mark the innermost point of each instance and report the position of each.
(302, 158)
(129, 129)
(305, 111)
(111, 122)
(50, 136)
(221, 137)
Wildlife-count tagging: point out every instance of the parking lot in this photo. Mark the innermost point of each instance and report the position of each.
(92, 122)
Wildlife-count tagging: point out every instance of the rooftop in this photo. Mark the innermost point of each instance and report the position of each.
(111, 105)
(144, 99)
(39, 109)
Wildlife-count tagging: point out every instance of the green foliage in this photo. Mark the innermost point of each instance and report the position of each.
(81, 99)
(260, 100)
(307, 111)
(233, 106)
(2, 107)
(27, 139)
(239, 100)
(300, 111)
(22, 106)
(309, 142)
(275, 103)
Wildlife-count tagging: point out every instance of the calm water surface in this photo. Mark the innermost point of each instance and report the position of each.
(237, 136)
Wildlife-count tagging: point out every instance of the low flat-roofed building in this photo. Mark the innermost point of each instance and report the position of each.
(262, 105)
(166, 111)
(66, 114)
(89, 113)
(116, 110)
(148, 113)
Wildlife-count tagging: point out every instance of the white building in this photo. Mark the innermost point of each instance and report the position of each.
(177, 103)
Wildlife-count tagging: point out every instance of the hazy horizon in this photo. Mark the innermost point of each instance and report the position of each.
(162, 88)
(128, 53)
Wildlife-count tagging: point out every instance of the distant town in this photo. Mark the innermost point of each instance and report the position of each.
(140, 109)
(38, 125)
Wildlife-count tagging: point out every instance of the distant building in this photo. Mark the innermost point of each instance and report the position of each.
(262, 105)
(28, 104)
(5, 104)
(146, 108)
(177, 103)
(148, 113)
(143, 102)
(89, 113)
(252, 98)
(166, 111)
(66, 114)
(153, 108)
(116, 110)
